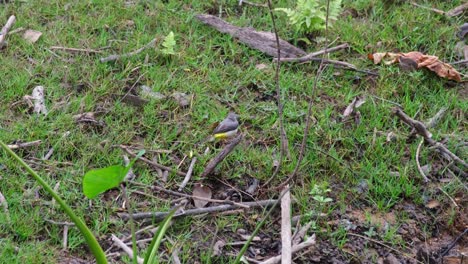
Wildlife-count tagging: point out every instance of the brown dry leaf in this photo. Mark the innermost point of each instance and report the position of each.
(32, 35)
(203, 191)
(182, 99)
(432, 204)
(357, 102)
(430, 62)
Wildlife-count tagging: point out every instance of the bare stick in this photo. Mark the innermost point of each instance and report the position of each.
(220, 157)
(125, 248)
(296, 248)
(422, 131)
(4, 203)
(436, 118)
(59, 223)
(6, 28)
(135, 52)
(438, 11)
(459, 62)
(286, 251)
(314, 55)
(188, 175)
(25, 144)
(451, 199)
(417, 161)
(158, 216)
(457, 10)
(152, 163)
(251, 3)
(385, 245)
(16, 30)
(157, 188)
(75, 50)
(65, 237)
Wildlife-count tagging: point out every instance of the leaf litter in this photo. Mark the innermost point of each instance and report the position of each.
(420, 60)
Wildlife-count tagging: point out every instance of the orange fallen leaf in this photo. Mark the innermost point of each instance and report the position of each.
(430, 62)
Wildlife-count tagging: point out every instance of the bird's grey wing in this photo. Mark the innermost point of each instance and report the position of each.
(226, 125)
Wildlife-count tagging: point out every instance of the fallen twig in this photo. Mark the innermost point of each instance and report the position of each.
(451, 199)
(422, 131)
(11, 20)
(25, 144)
(438, 11)
(188, 175)
(459, 62)
(251, 3)
(158, 216)
(260, 40)
(385, 245)
(59, 223)
(157, 188)
(296, 248)
(16, 30)
(115, 57)
(152, 163)
(286, 250)
(75, 50)
(125, 248)
(418, 150)
(65, 237)
(313, 55)
(221, 155)
(457, 10)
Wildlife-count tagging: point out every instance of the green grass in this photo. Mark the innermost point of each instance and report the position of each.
(220, 75)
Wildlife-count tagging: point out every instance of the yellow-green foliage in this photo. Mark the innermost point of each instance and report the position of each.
(310, 15)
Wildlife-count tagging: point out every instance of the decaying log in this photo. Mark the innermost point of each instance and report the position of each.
(260, 40)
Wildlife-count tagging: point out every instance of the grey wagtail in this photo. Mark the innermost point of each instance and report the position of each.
(227, 128)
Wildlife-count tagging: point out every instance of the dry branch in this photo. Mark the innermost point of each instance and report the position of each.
(115, 57)
(313, 55)
(125, 248)
(421, 171)
(160, 189)
(457, 10)
(75, 50)
(216, 160)
(6, 28)
(188, 175)
(438, 11)
(158, 216)
(25, 144)
(296, 248)
(421, 130)
(286, 250)
(152, 163)
(260, 40)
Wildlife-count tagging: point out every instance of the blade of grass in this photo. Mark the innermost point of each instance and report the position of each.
(153, 248)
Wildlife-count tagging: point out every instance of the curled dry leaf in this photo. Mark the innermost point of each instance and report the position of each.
(182, 99)
(32, 35)
(357, 102)
(203, 191)
(430, 62)
(147, 92)
(39, 101)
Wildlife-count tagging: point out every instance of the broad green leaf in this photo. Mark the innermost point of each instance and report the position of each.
(100, 180)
